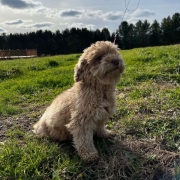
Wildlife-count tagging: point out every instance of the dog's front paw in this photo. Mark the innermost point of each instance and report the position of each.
(105, 134)
(89, 157)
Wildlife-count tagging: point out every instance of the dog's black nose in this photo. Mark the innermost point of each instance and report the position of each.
(115, 62)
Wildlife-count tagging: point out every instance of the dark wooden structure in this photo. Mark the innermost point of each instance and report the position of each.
(10, 54)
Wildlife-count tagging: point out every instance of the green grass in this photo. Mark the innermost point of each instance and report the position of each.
(147, 122)
(33, 81)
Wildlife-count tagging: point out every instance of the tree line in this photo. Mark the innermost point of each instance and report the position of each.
(74, 40)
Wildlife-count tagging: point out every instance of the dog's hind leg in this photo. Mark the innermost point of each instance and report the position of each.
(40, 129)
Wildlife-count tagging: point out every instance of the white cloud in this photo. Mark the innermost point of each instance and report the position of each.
(63, 24)
(38, 25)
(139, 14)
(71, 13)
(94, 14)
(21, 4)
(2, 30)
(27, 6)
(46, 14)
(112, 16)
(100, 15)
(142, 13)
(77, 14)
(15, 22)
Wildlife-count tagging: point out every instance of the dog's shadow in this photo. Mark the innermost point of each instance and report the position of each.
(125, 159)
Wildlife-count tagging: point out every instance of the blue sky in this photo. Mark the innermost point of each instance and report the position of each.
(20, 16)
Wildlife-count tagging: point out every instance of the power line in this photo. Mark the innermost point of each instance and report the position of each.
(117, 32)
(126, 6)
(126, 9)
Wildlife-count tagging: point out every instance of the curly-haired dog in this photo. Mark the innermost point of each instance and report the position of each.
(81, 111)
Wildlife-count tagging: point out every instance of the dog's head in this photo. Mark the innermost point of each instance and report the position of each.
(101, 61)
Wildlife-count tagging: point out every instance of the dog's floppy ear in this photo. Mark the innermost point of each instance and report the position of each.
(79, 70)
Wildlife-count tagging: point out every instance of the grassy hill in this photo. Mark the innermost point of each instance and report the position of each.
(147, 122)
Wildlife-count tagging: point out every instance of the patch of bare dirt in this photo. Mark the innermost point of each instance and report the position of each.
(7, 123)
(23, 122)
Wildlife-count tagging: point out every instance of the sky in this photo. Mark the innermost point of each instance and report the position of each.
(21, 16)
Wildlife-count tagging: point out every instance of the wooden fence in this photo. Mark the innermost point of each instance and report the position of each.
(8, 54)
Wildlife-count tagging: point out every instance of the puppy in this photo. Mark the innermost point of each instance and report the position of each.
(81, 111)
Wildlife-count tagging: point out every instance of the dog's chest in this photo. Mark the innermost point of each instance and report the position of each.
(106, 105)
(99, 104)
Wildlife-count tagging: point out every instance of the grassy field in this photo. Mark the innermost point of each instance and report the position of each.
(147, 122)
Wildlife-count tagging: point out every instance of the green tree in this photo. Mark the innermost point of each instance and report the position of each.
(58, 42)
(3, 41)
(142, 30)
(155, 34)
(49, 42)
(97, 35)
(124, 35)
(105, 34)
(176, 28)
(74, 40)
(166, 26)
(131, 36)
(86, 38)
